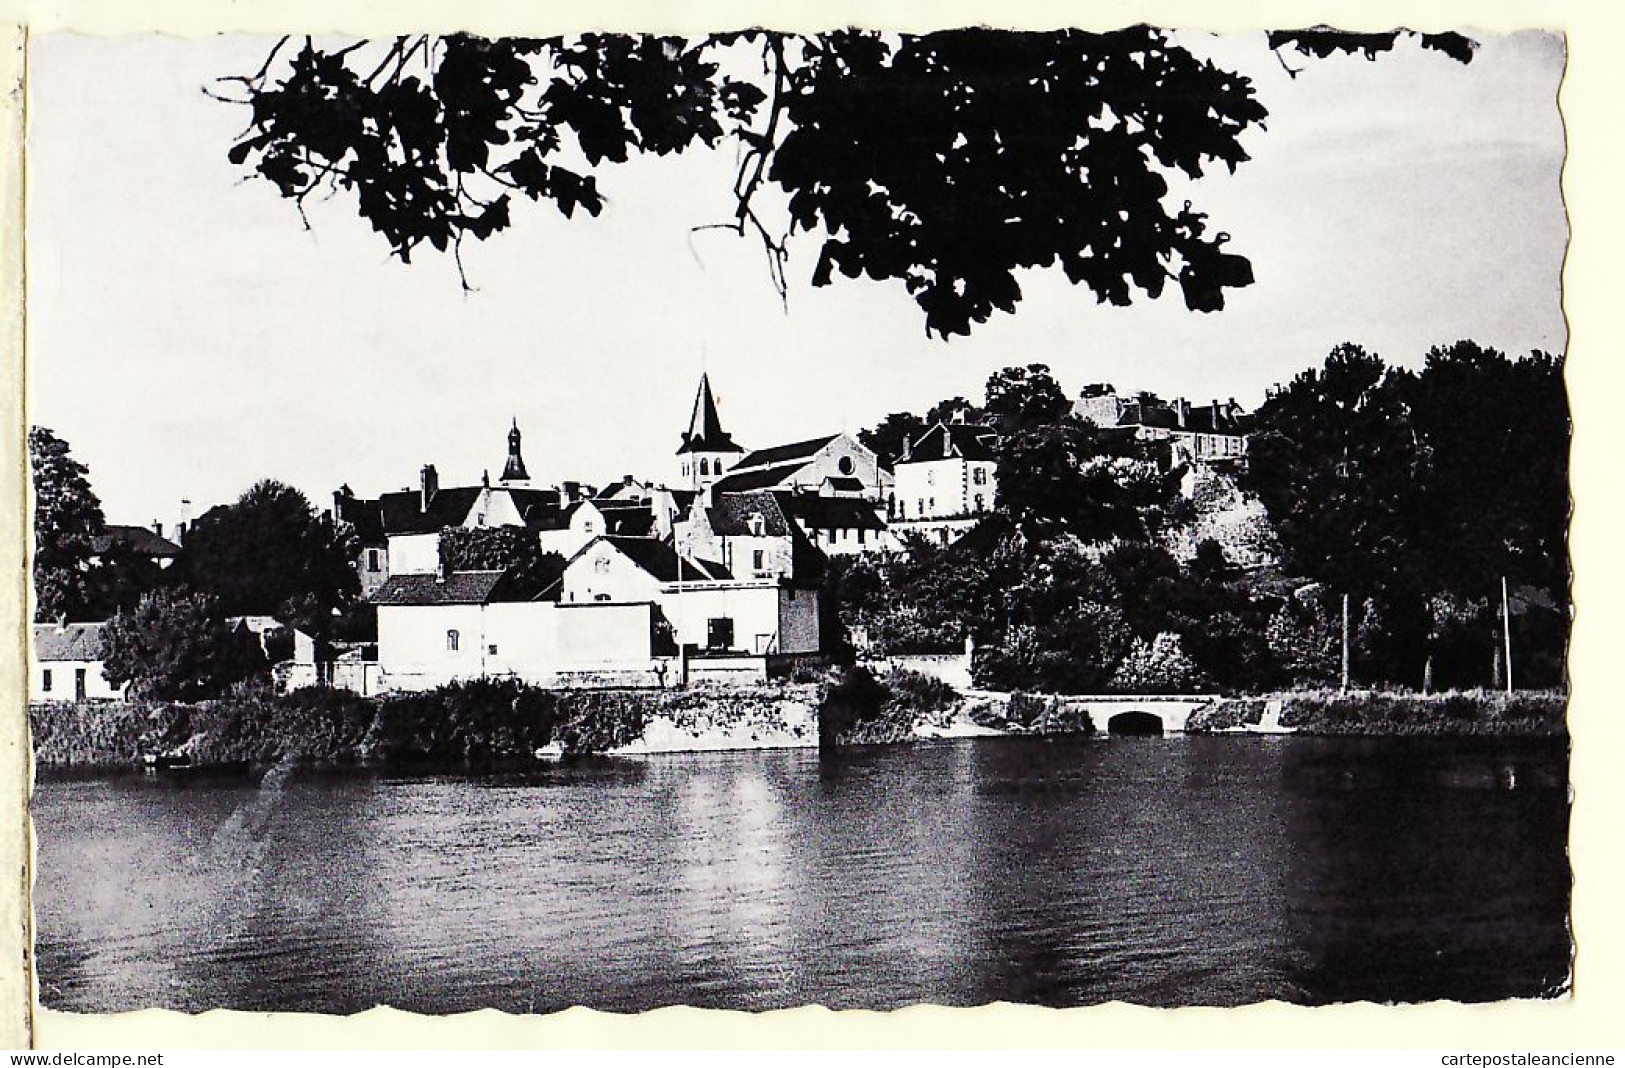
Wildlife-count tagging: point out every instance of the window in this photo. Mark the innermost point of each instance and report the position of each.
(845, 465)
(451, 641)
(719, 633)
(930, 478)
(979, 505)
(491, 650)
(705, 468)
(861, 533)
(373, 560)
(717, 467)
(45, 680)
(78, 684)
(979, 476)
(756, 559)
(919, 510)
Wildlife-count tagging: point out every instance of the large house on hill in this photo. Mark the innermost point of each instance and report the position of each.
(945, 482)
(1205, 434)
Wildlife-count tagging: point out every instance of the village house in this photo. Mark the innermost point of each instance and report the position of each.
(436, 629)
(66, 664)
(713, 612)
(944, 482)
(837, 524)
(150, 545)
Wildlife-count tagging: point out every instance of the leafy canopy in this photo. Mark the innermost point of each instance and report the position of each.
(67, 521)
(947, 162)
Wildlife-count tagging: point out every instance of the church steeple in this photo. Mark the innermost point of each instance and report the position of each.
(705, 433)
(515, 469)
(707, 450)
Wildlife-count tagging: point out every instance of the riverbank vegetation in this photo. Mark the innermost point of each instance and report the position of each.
(1388, 712)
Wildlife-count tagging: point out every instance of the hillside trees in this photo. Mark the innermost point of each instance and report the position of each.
(67, 520)
(1415, 493)
(943, 163)
(268, 553)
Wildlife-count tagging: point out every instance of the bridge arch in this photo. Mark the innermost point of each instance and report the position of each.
(1134, 722)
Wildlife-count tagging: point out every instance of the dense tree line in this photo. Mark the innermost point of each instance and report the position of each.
(1409, 495)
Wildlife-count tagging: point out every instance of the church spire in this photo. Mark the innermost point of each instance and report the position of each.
(705, 433)
(515, 469)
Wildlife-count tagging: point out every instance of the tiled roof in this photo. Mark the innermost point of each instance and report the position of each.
(659, 559)
(731, 514)
(634, 522)
(403, 513)
(459, 587)
(781, 454)
(365, 516)
(75, 641)
(138, 540)
(831, 513)
(949, 440)
(762, 478)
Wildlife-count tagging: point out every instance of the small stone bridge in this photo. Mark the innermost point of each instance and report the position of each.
(1129, 713)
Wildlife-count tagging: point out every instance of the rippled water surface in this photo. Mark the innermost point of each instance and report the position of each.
(1168, 871)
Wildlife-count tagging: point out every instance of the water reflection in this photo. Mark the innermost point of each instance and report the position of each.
(1164, 871)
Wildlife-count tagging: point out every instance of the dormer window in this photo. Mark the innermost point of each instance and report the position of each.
(756, 524)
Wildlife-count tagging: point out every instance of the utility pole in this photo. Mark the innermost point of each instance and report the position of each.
(1345, 688)
(1506, 630)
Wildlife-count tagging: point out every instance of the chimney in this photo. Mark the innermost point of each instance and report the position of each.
(157, 528)
(429, 485)
(1182, 412)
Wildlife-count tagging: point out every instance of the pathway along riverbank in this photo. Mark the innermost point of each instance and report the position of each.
(501, 721)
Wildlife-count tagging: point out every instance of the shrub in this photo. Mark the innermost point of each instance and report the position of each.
(852, 696)
(1159, 666)
(596, 721)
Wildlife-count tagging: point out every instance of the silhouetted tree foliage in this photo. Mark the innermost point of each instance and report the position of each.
(269, 553)
(67, 521)
(946, 162)
(1024, 398)
(175, 645)
(1417, 493)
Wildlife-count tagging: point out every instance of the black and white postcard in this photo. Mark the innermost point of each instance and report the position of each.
(751, 519)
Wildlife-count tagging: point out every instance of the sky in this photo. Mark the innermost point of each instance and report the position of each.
(188, 336)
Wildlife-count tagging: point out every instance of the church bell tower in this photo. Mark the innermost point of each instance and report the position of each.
(707, 452)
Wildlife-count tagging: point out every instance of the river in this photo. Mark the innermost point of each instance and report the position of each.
(1216, 870)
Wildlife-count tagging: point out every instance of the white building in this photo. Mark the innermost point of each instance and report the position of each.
(66, 664)
(433, 630)
(711, 610)
(945, 482)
